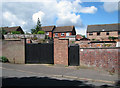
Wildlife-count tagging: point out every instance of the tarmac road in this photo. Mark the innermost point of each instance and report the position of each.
(62, 76)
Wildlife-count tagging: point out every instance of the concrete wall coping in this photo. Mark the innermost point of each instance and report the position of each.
(102, 48)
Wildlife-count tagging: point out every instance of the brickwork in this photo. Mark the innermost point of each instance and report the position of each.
(119, 63)
(59, 35)
(102, 35)
(102, 58)
(14, 50)
(60, 51)
(50, 34)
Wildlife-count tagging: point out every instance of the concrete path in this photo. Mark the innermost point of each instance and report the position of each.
(29, 70)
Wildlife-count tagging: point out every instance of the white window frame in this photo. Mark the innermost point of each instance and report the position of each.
(62, 34)
(56, 34)
(90, 34)
(67, 34)
(47, 33)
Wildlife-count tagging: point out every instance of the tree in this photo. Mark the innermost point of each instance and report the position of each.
(83, 36)
(37, 28)
(33, 31)
(2, 31)
(112, 38)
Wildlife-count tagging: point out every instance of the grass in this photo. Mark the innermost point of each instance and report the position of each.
(82, 67)
(66, 65)
(50, 64)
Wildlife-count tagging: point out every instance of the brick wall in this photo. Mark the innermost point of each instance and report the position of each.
(50, 34)
(59, 35)
(119, 63)
(103, 58)
(102, 35)
(14, 50)
(60, 51)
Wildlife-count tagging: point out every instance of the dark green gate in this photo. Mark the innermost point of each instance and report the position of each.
(73, 55)
(39, 53)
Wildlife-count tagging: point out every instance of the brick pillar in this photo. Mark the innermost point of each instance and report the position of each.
(61, 51)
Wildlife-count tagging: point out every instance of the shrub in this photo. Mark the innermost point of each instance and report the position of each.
(15, 32)
(3, 31)
(73, 41)
(3, 59)
(40, 32)
(93, 39)
(34, 38)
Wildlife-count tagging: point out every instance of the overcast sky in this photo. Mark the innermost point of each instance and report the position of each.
(79, 13)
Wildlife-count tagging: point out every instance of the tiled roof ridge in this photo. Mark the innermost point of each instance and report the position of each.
(104, 24)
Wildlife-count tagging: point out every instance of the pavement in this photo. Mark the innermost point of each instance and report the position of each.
(87, 76)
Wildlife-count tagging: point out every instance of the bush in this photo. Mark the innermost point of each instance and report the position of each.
(3, 59)
(40, 32)
(34, 38)
(15, 32)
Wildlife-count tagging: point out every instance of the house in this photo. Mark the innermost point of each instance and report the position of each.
(103, 44)
(83, 42)
(103, 32)
(64, 31)
(9, 30)
(78, 37)
(48, 30)
(71, 38)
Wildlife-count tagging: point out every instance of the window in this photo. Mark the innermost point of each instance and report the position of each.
(90, 34)
(56, 34)
(67, 34)
(107, 33)
(98, 33)
(47, 33)
(118, 32)
(62, 34)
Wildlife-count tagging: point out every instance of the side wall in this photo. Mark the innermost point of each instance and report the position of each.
(102, 35)
(60, 51)
(14, 50)
(102, 58)
(59, 35)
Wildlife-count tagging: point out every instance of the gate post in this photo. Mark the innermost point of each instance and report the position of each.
(61, 51)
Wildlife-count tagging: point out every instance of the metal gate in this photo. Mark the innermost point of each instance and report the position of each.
(73, 55)
(39, 53)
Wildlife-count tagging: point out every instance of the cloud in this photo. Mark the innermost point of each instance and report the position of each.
(80, 30)
(37, 15)
(50, 12)
(110, 6)
(12, 19)
(109, 0)
(91, 9)
(67, 13)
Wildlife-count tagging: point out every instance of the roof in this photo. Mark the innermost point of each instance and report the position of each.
(103, 27)
(48, 28)
(84, 39)
(8, 29)
(64, 29)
